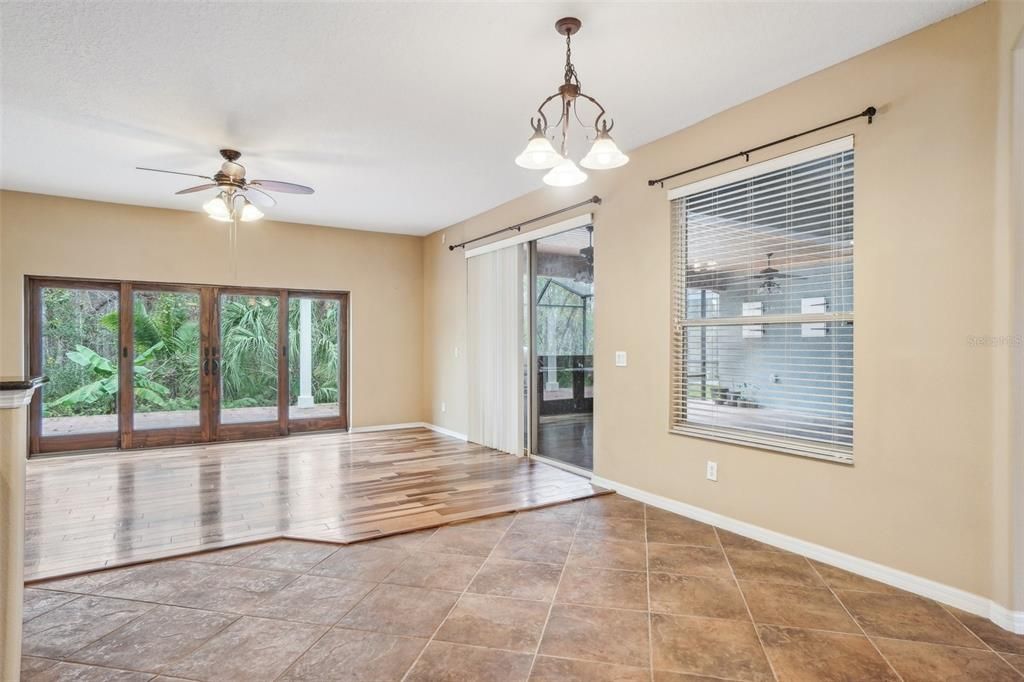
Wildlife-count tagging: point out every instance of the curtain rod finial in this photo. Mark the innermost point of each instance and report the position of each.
(870, 113)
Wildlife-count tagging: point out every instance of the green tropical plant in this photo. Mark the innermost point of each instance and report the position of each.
(81, 348)
(249, 351)
(105, 383)
(325, 347)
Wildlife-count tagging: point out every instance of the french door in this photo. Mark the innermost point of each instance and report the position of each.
(139, 364)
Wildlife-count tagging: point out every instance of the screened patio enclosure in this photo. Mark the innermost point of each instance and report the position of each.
(563, 320)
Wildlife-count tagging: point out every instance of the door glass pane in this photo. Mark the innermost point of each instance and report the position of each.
(166, 364)
(80, 357)
(248, 358)
(314, 357)
(564, 342)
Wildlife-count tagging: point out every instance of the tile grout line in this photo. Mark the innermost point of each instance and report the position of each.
(558, 585)
(430, 640)
(340, 618)
(750, 614)
(978, 637)
(852, 617)
(64, 658)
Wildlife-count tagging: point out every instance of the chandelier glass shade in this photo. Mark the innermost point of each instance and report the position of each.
(541, 152)
(565, 174)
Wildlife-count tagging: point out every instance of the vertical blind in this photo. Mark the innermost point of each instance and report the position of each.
(494, 327)
(762, 334)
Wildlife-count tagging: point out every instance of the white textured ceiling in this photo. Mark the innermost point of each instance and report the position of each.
(404, 117)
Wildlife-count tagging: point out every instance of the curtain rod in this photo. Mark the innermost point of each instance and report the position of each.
(592, 200)
(870, 113)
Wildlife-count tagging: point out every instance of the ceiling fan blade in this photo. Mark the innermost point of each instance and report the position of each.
(197, 188)
(159, 170)
(287, 187)
(259, 197)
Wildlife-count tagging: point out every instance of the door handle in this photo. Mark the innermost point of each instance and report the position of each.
(216, 367)
(206, 367)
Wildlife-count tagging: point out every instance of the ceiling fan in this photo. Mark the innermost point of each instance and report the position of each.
(768, 277)
(585, 274)
(238, 197)
(587, 252)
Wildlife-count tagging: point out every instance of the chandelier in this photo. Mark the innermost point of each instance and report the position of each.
(540, 153)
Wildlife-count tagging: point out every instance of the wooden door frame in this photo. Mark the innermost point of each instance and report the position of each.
(341, 421)
(126, 436)
(38, 443)
(132, 438)
(249, 430)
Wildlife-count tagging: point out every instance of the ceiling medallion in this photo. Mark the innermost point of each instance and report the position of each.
(540, 153)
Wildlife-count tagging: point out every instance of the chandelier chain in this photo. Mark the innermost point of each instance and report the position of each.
(570, 70)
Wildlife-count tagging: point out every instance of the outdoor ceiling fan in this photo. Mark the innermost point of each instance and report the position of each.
(768, 277)
(587, 252)
(237, 197)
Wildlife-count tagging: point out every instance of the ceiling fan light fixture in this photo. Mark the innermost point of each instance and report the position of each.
(565, 174)
(232, 185)
(539, 154)
(249, 212)
(218, 209)
(604, 154)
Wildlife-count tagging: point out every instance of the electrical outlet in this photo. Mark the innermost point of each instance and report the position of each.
(620, 358)
(444, 406)
(456, 351)
(712, 470)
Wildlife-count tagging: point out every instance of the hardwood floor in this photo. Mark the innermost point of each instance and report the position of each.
(108, 509)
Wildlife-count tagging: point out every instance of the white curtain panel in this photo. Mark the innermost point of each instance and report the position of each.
(495, 291)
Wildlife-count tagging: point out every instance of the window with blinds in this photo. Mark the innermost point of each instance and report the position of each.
(762, 335)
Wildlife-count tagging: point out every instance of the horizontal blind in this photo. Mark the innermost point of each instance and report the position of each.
(763, 309)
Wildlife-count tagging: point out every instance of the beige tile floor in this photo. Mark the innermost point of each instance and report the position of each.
(602, 589)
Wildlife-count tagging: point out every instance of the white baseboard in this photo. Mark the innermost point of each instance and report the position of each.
(386, 427)
(408, 425)
(946, 594)
(446, 432)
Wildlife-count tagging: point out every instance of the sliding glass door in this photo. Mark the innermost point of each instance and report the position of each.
(134, 364)
(167, 400)
(316, 363)
(246, 362)
(562, 396)
(76, 346)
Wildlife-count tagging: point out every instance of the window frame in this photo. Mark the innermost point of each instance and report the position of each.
(680, 323)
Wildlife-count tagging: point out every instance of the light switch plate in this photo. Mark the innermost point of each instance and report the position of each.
(620, 358)
(712, 470)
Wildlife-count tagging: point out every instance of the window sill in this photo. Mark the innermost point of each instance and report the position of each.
(786, 446)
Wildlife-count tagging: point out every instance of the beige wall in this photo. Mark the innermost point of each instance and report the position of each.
(43, 235)
(931, 271)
